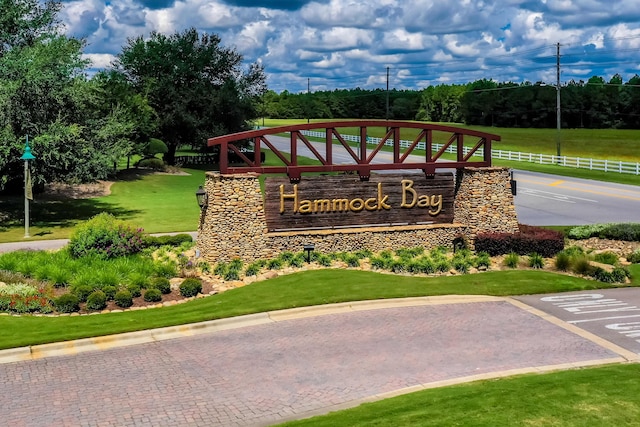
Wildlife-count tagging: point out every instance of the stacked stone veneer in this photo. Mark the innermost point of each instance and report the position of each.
(233, 225)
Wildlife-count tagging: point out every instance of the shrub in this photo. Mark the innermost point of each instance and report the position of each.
(162, 284)
(106, 237)
(67, 303)
(123, 299)
(152, 295)
(399, 265)
(324, 260)
(352, 260)
(154, 146)
(134, 290)
(422, 265)
(167, 240)
(582, 266)
(409, 253)
(536, 260)
(190, 287)
(274, 264)
(634, 257)
(586, 231)
(602, 275)
(252, 270)
(482, 259)
(380, 263)
(616, 231)
(528, 240)
(220, 269)
(623, 231)
(110, 292)
(461, 265)
(562, 261)
(512, 260)
(152, 163)
(620, 274)
(165, 269)
(140, 280)
(363, 253)
(286, 256)
(297, 261)
(610, 258)
(82, 292)
(442, 265)
(96, 301)
(231, 274)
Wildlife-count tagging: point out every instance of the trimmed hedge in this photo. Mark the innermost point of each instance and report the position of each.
(67, 303)
(616, 231)
(528, 240)
(190, 287)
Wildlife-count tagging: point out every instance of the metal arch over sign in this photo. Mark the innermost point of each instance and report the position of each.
(364, 158)
(324, 202)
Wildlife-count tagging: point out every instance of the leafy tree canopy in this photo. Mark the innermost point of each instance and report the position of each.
(197, 86)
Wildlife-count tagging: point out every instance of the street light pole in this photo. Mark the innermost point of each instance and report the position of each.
(28, 195)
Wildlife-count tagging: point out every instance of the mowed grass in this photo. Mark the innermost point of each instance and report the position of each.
(157, 203)
(603, 396)
(295, 290)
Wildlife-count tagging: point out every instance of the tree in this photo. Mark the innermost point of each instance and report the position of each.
(197, 87)
(24, 22)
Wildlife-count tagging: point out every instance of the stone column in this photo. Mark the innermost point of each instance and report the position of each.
(233, 224)
(484, 201)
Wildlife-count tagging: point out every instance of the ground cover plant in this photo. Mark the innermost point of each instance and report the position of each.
(603, 396)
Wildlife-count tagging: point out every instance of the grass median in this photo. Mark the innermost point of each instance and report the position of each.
(604, 396)
(301, 289)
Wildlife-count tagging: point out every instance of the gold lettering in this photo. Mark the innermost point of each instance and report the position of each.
(305, 206)
(423, 201)
(322, 205)
(353, 207)
(407, 187)
(382, 201)
(339, 205)
(436, 201)
(293, 196)
(368, 206)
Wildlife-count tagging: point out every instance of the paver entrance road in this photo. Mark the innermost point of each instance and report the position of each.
(260, 375)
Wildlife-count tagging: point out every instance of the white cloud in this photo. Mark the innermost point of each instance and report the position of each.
(351, 42)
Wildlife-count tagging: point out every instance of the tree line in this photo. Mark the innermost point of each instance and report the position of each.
(594, 103)
(180, 89)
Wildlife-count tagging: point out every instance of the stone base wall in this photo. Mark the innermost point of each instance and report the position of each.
(233, 224)
(484, 201)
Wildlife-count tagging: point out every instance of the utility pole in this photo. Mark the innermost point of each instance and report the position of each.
(387, 113)
(558, 118)
(308, 97)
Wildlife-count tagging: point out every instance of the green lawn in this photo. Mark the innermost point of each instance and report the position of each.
(157, 203)
(604, 396)
(295, 290)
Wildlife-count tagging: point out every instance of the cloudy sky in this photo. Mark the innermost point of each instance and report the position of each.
(329, 44)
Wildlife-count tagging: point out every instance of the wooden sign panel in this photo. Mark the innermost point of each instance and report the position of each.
(345, 201)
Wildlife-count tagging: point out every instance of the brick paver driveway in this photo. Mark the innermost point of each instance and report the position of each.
(262, 374)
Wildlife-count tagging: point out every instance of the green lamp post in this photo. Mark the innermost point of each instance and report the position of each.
(28, 194)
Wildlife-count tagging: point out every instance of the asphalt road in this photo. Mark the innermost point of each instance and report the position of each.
(541, 199)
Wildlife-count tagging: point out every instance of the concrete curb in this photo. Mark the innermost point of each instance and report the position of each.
(69, 348)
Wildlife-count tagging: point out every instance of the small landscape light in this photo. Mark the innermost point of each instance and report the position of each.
(308, 249)
(202, 198)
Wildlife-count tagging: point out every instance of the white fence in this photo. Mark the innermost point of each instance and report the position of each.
(544, 159)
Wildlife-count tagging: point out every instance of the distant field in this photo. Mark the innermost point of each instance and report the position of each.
(614, 144)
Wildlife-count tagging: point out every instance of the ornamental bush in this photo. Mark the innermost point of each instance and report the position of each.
(152, 295)
(527, 240)
(82, 292)
(162, 284)
(106, 237)
(190, 287)
(123, 299)
(97, 301)
(67, 303)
